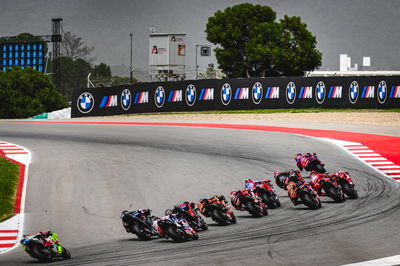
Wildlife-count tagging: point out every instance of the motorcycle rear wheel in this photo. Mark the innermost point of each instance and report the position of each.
(65, 254)
(252, 209)
(320, 169)
(141, 234)
(175, 235)
(219, 217)
(309, 201)
(351, 192)
(335, 194)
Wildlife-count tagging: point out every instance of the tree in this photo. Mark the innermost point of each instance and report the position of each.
(73, 74)
(211, 72)
(25, 93)
(102, 71)
(74, 48)
(252, 43)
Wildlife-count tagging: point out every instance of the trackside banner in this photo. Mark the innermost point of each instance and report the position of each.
(239, 94)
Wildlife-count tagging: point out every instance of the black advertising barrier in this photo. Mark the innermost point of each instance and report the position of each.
(239, 94)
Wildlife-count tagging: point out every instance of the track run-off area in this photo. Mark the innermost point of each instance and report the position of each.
(83, 174)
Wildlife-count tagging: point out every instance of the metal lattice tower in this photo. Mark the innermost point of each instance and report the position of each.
(56, 40)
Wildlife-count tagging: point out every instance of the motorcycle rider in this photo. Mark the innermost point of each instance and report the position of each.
(282, 179)
(304, 161)
(289, 181)
(213, 200)
(144, 215)
(175, 216)
(189, 207)
(50, 239)
(315, 181)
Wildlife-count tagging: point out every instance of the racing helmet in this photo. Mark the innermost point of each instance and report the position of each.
(276, 173)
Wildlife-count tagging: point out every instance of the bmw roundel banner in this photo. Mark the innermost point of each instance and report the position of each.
(239, 94)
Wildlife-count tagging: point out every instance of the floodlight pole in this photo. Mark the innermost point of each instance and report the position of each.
(130, 69)
(197, 67)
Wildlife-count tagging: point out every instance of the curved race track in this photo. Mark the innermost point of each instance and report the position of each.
(82, 176)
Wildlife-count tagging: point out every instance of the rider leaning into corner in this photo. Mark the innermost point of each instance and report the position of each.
(304, 161)
(144, 215)
(289, 181)
(50, 239)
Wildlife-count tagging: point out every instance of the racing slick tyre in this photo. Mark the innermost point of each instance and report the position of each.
(219, 217)
(350, 191)
(233, 219)
(42, 255)
(65, 254)
(270, 200)
(177, 237)
(336, 195)
(320, 168)
(252, 209)
(142, 234)
(309, 201)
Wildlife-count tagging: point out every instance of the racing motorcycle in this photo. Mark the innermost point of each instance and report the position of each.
(195, 222)
(36, 247)
(313, 164)
(329, 184)
(347, 184)
(177, 228)
(307, 195)
(217, 210)
(135, 225)
(267, 194)
(244, 200)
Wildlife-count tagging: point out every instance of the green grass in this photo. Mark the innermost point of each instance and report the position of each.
(8, 184)
(270, 111)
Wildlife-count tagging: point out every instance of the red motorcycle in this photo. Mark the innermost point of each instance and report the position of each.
(244, 200)
(347, 184)
(329, 184)
(264, 190)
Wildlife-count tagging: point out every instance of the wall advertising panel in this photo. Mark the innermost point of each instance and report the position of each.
(239, 94)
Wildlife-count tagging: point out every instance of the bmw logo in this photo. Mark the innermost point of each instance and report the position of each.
(290, 92)
(190, 95)
(320, 92)
(159, 97)
(85, 102)
(382, 92)
(226, 94)
(354, 92)
(126, 99)
(257, 92)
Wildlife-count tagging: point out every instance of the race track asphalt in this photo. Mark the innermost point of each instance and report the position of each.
(82, 176)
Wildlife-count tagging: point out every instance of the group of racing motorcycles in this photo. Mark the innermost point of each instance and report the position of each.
(183, 221)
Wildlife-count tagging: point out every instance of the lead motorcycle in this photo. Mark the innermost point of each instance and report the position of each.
(244, 200)
(177, 228)
(310, 162)
(36, 247)
(305, 193)
(329, 184)
(217, 208)
(265, 191)
(134, 224)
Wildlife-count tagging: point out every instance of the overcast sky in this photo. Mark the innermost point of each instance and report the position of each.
(355, 27)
